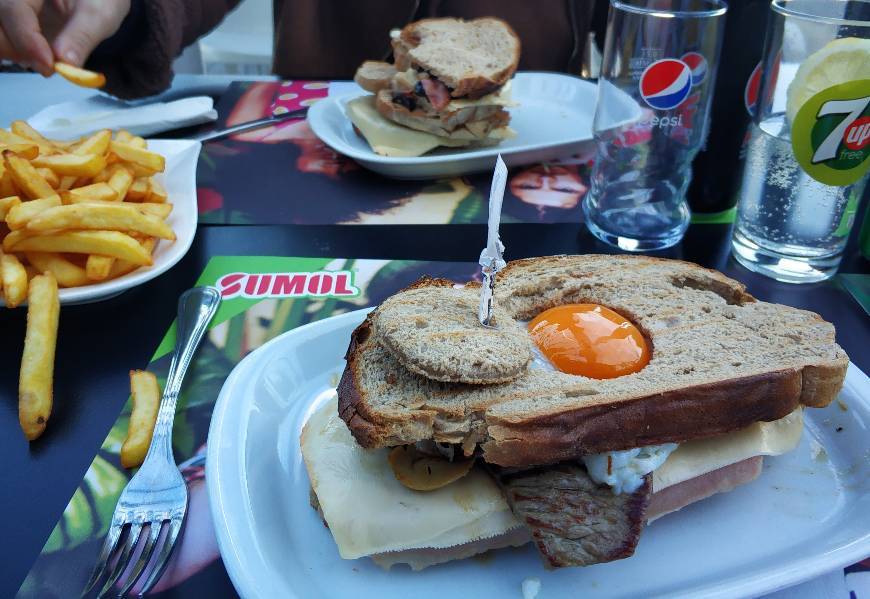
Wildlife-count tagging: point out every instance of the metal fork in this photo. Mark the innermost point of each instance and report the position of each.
(156, 497)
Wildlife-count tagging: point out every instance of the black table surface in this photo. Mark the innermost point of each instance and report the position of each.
(99, 343)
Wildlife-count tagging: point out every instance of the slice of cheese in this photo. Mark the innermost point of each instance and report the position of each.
(695, 458)
(391, 139)
(388, 138)
(369, 512)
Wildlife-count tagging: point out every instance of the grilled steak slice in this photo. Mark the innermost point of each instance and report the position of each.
(573, 520)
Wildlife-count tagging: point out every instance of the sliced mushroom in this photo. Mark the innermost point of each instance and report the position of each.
(423, 472)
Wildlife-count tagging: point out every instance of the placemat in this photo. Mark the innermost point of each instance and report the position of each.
(285, 175)
(253, 312)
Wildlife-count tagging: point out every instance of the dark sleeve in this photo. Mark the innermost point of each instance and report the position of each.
(137, 59)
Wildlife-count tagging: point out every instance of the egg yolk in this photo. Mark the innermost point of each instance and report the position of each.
(589, 340)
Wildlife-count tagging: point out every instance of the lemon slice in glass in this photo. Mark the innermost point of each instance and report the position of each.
(840, 61)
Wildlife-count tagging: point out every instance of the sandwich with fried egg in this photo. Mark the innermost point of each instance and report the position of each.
(449, 85)
(613, 390)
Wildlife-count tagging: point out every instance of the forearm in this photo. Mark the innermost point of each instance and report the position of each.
(137, 60)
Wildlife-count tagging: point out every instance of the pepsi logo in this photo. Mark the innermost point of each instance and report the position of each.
(750, 93)
(698, 64)
(666, 83)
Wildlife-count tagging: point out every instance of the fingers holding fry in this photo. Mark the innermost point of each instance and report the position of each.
(145, 391)
(79, 76)
(37, 361)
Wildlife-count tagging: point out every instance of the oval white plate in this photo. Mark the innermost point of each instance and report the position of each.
(808, 512)
(179, 179)
(553, 119)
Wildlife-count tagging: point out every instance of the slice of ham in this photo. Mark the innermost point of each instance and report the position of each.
(675, 497)
(437, 93)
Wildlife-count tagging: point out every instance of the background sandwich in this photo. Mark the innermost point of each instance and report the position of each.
(450, 84)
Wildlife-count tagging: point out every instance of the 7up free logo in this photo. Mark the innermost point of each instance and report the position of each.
(831, 134)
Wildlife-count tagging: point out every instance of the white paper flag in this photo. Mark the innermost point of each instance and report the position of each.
(491, 260)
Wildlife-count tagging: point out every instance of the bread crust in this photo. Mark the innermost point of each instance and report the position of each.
(588, 425)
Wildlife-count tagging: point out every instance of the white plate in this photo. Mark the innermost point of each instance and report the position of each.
(808, 512)
(179, 179)
(553, 119)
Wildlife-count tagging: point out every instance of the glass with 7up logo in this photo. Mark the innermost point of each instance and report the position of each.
(809, 150)
(654, 93)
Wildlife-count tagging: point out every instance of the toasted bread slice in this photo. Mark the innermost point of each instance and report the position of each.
(720, 361)
(473, 58)
(433, 330)
(374, 75)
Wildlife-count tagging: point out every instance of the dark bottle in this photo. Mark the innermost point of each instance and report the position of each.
(717, 167)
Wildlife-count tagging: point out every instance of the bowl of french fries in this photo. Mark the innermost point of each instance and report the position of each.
(80, 221)
(99, 213)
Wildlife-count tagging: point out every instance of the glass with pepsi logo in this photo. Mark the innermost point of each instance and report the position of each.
(654, 96)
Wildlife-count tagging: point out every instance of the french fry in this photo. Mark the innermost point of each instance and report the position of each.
(7, 186)
(122, 267)
(79, 76)
(139, 156)
(21, 214)
(158, 192)
(96, 143)
(67, 182)
(97, 268)
(50, 176)
(23, 129)
(123, 136)
(159, 210)
(25, 177)
(37, 361)
(80, 165)
(10, 138)
(14, 278)
(146, 403)
(139, 190)
(7, 204)
(95, 192)
(26, 151)
(138, 170)
(120, 181)
(66, 273)
(99, 217)
(105, 243)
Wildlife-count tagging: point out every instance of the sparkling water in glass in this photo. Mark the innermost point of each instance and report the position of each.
(791, 226)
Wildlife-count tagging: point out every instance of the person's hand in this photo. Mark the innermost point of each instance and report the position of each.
(35, 33)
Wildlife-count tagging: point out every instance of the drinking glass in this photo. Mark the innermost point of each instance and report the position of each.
(807, 158)
(654, 96)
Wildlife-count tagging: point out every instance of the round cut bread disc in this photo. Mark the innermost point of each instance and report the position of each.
(434, 332)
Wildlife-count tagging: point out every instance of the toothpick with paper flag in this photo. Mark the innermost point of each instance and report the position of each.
(491, 260)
